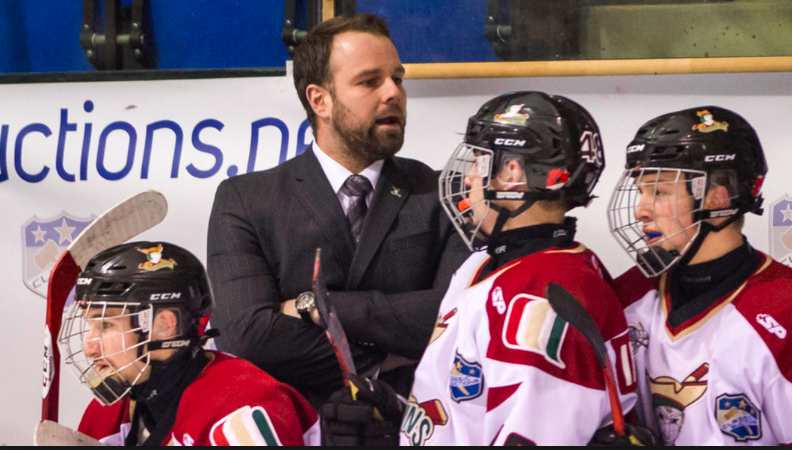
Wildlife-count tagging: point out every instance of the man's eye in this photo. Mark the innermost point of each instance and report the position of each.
(369, 82)
(398, 81)
(106, 325)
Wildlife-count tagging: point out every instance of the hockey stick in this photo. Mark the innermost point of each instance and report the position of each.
(569, 308)
(49, 433)
(331, 324)
(116, 226)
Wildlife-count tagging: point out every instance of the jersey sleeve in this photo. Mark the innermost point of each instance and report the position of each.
(778, 409)
(554, 393)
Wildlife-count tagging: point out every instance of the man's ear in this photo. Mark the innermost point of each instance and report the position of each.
(165, 325)
(320, 100)
(513, 173)
(717, 198)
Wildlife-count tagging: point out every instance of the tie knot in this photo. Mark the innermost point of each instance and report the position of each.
(357, 186)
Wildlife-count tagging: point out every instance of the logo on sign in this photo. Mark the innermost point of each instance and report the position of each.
(781, 230)
(44, 241)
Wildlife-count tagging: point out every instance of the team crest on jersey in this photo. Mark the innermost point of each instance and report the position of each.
(44, 241)
(467, 380)
(246, 426)
(709, 124)
(533, 326)
(670, 398)
(154, 259)
(781, 231)
(420, 420)
(441, 325)
(639, 338)
(738, 417)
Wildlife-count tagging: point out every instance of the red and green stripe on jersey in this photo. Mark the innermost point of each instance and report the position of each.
(245, 427)
(525, 330)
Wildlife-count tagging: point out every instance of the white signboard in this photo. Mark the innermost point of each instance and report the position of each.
(69, 151)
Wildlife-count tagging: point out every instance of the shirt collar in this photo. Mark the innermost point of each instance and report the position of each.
(338, 174)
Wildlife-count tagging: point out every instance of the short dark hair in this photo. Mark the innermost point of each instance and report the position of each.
(312, 57)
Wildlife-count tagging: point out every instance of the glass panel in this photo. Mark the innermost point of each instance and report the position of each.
(544, 30)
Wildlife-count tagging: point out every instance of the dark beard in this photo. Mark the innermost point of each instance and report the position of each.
(363, 142)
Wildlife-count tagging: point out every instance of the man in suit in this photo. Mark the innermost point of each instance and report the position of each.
(388, 251)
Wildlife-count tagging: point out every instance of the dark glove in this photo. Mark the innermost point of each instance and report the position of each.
(634, 436)
(366, 413)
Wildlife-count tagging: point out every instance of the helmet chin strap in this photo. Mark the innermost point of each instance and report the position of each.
(504, 214)
(706, 229)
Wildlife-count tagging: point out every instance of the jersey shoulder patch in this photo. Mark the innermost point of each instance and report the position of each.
(766, 303)
(247, 426)
(633, 285)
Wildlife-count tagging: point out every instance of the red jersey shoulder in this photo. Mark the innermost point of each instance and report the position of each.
(526, 331)
(633, 285)
(101, 422)
(766, 303)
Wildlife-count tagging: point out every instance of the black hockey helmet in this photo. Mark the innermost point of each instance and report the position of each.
(556, 141)
(108, 335)
(701, 147)
(162, 275)
(708, 139)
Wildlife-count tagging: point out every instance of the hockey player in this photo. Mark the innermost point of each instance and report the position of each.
(708, 314)
(134, 336)
(501, 366)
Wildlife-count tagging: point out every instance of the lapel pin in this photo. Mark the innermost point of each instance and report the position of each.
(396, 191)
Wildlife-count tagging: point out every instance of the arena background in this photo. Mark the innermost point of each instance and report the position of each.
(221, 122)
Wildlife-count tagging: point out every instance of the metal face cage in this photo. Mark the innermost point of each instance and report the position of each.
(655, 214)
(104, 344)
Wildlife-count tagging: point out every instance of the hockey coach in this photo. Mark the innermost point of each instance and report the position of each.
(387, 248)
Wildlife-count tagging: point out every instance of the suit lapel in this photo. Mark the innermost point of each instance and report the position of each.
(316, 194)
(389, 196)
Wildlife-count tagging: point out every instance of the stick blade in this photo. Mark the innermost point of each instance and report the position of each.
(49, 433)
(119, 224)
(570, 309)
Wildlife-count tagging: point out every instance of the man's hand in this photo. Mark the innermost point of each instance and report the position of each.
(290, 309)
(366, 413)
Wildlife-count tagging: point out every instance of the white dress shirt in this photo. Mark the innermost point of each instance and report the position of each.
(338, 174)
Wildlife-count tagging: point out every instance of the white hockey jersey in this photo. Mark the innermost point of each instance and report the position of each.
(503, 368)
(724, 377)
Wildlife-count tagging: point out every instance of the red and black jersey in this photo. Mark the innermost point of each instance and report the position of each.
(232, 402)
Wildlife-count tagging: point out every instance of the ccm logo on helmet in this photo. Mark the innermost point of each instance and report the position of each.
(171, 296)
(724, 213)
(636, 148)
(720, 158)
(510, 142)
(84, 281)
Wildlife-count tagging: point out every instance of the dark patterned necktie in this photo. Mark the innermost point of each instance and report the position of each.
(356, 187)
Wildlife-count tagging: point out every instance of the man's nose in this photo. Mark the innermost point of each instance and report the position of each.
(644, 212)
(392, 92)
(93, 348)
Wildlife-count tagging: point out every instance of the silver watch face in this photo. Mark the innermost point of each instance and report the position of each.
(305, 301)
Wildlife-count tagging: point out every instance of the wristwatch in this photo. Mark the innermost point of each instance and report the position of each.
(305, 304)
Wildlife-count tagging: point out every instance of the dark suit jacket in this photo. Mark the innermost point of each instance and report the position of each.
(263, 233)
